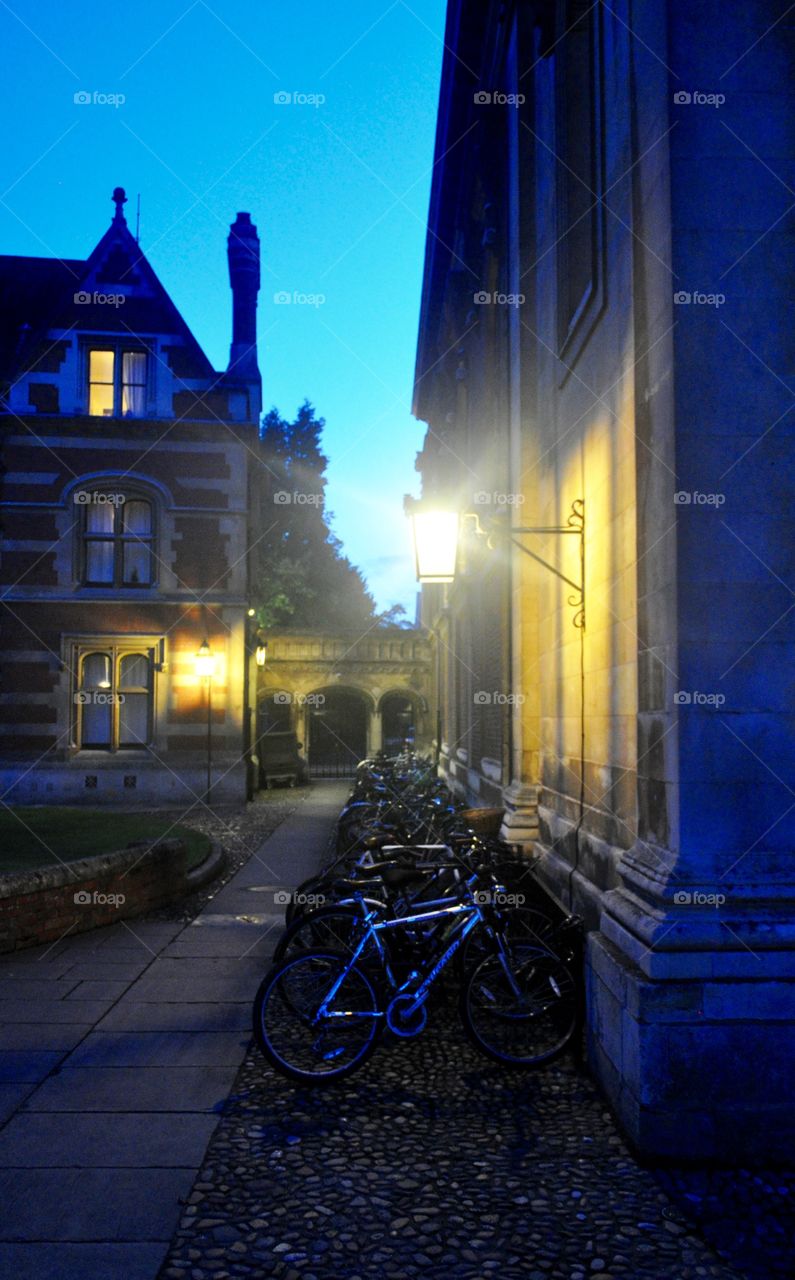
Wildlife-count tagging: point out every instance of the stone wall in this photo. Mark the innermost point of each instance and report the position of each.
(45, 904)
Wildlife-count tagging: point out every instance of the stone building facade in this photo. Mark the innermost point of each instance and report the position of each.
(125, 495)
(605, 330)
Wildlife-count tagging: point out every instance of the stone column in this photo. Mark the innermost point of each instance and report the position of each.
(692, 974)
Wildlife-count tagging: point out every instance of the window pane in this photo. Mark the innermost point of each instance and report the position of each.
(99, 517)
(134, 719)
(132, 401)
(99, 561)
(96, 724)
(96, 671)
(133, 380)
(137, 563)
(137, 517)
(134, 671)
(100, 400)
(100, 366)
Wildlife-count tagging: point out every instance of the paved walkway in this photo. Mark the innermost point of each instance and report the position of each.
(119, 1050)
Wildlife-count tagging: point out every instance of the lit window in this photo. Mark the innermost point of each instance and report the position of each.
(114, 698)
(116, 383)
(118, 538)
(100, 383)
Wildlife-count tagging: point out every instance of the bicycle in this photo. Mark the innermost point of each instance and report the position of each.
(319, 1014)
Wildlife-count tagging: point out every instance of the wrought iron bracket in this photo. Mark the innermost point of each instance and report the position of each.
(575, 526)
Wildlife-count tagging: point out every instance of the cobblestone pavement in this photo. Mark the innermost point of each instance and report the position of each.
(431, 1162)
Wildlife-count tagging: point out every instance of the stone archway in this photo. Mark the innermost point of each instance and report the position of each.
(337, 721)
(399, 710)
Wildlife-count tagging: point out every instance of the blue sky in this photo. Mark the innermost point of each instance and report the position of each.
(339, 192)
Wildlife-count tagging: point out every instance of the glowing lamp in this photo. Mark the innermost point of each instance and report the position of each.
(435, 534)
(205, 659)
(260, 654)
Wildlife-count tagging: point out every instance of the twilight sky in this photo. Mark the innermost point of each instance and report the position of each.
(338, 190)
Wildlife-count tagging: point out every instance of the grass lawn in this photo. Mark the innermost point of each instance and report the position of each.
(40, 836)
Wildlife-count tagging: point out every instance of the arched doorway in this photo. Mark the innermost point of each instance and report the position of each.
(398, 722)
(337, 732)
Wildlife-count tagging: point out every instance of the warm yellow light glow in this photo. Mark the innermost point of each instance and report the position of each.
(205, 660)
(261, 654)
(435, 544)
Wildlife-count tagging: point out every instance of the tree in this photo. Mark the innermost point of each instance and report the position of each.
(300, 576)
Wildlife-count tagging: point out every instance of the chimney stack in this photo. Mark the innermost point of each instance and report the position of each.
(243, 252)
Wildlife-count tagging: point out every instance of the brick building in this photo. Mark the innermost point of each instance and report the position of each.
(125, 495)
(605, 328)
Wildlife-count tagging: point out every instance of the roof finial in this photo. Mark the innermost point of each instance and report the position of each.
(119, 199)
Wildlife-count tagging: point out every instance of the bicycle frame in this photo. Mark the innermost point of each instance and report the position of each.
(372, 928)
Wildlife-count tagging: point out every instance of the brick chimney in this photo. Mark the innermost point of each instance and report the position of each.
(243, 252)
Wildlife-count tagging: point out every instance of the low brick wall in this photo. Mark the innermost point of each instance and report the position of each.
(43, 905)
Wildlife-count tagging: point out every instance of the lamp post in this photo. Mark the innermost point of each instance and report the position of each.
(205, 668)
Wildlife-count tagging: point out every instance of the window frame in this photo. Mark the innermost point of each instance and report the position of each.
(118, 348)
(115, 649)
(119, 539)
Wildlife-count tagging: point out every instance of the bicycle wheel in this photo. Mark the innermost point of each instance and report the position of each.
(528, 1026)
(293, 1037)
(335, 928)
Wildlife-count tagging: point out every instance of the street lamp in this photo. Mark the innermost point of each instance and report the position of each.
(260, 654)
(435, 532)
(436, 526)
(205, 668)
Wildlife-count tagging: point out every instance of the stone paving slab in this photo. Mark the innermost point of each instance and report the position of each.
(160, 1049)
(45, 1036)
(47, 1140)
(45, 1012)
(139, 1261)
(145, 1089)
(132, 1015)
(11, 1098)
(91, 1204)
(27, 1065)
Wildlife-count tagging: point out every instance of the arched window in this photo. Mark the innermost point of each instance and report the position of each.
(114, 698)
(117, 540)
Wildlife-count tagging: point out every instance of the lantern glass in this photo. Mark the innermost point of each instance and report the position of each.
(435, 544)
(261, 653)
(205, 660)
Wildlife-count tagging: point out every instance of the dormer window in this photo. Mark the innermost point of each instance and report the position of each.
(116, 383)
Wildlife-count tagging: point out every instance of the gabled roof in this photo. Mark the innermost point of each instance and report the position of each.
(41, 294)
